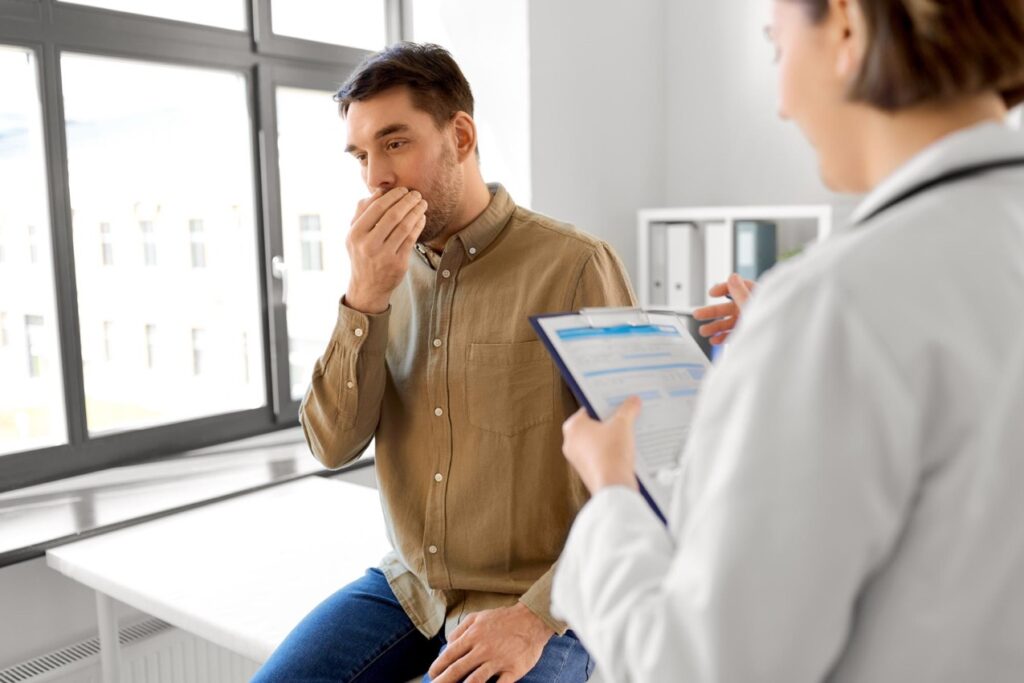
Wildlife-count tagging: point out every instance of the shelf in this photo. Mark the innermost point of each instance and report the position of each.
(683, 251)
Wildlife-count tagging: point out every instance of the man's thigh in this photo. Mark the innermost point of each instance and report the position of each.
(361, 633)
(564, 660)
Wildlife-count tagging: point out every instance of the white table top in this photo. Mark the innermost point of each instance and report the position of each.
(240, 573)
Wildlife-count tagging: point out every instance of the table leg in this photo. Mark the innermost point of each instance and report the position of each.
(110, 645)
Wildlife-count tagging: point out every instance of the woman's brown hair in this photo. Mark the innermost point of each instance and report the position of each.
(921, 51)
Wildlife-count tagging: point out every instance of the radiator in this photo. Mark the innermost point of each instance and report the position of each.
(152, 651)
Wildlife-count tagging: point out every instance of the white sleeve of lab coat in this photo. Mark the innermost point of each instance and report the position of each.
(801, 467)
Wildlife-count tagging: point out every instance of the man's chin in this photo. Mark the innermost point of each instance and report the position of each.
(431, 233)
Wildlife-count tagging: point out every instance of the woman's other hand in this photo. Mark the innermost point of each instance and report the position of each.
(725, 316)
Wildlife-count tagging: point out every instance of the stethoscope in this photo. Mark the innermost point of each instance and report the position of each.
(944, 179)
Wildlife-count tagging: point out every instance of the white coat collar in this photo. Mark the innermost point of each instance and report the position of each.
(966, 147)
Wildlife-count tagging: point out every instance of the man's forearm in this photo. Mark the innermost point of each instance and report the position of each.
(341, 410)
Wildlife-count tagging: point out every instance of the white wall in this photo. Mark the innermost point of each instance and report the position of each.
(728, 144)
(589, 112)
(490, 41)
(42, 610)
(598, 113)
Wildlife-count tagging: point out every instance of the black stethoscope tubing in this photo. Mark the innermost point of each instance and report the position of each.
(944, 179)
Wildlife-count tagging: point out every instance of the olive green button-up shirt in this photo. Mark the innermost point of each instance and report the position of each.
(467, 409)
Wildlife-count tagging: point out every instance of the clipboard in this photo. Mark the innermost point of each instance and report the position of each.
(623, 324)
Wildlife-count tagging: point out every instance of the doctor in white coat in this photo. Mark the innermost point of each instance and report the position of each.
(852, 505)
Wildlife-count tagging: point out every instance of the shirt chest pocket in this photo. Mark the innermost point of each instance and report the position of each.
(509, 387)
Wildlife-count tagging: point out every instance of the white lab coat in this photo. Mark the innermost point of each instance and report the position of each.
(853, 501)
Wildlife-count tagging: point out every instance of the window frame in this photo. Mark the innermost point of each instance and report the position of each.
(49, 28)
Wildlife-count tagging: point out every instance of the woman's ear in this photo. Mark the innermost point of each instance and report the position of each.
(850, 32)
(464, 129)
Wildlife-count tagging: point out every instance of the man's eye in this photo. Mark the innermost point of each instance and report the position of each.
(395, 144)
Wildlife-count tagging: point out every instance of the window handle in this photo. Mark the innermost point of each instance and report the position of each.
(279, 269)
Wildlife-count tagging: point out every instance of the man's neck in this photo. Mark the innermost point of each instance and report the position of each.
(474, 202)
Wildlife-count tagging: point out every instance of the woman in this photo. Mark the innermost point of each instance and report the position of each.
(851, 504)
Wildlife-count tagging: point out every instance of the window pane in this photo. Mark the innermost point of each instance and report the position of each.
(160, 161)
(356, 23)
(221, 13)
(31, 391)
(320, 186)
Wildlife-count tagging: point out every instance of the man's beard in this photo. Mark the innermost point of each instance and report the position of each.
(443, 197)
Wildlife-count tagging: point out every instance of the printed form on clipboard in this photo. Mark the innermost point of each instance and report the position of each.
(607, 355)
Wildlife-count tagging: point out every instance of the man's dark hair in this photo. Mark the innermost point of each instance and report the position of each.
(434, 80)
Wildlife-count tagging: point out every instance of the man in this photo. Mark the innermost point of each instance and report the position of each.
(433, 355)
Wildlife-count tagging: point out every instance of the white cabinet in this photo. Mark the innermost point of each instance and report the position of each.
(683, 251)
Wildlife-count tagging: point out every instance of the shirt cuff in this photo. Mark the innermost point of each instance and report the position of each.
(364, 332)
(538, 601)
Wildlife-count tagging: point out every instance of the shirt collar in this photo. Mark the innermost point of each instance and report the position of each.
(977, 144)
(479, 234)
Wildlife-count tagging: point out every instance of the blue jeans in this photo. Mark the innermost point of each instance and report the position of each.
(361, 633)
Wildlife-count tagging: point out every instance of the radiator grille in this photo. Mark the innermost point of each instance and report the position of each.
(79, 652)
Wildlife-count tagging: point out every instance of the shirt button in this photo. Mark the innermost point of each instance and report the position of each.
(433, 550)
(472, 250)
(350, 384)
(438, 412)
(359, 332)
(438, 477)
(437, 343)
(446, 273)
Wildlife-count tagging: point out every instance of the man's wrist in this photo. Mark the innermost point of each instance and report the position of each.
(366, 304)
(538, 622)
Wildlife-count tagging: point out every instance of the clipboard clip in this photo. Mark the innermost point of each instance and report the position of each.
(634, 317)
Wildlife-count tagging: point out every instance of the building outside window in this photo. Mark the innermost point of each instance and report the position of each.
(107, 244)
(108, 340)
(148, 242)
(312, 242)
(151, 341)
(33, 245)
(197, 239)
(34, 342)
(198, 349)
(134, 116)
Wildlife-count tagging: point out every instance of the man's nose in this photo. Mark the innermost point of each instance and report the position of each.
(380, 175)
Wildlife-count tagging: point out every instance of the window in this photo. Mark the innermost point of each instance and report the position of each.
(198, 348)
(318, 192)
(33, 245)
(151, 346)
(245, 358)
(34, 343)
(113, 108)
(148, 243)
(108, 340)
(166, 330)
(31, 383)
(358, 23)
(312, 245)
(222, 13)
(198, 243)
(107, 244)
